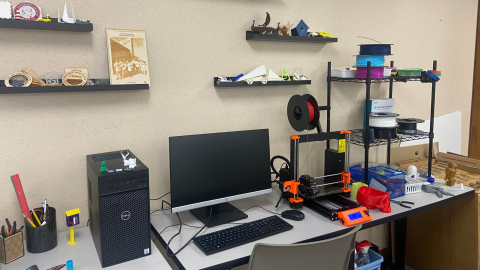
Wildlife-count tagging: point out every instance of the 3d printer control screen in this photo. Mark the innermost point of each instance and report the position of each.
(355, 216)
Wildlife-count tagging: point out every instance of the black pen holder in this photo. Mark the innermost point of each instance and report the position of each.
(42, 238)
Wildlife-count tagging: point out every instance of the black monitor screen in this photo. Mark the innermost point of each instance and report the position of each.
(214, 166)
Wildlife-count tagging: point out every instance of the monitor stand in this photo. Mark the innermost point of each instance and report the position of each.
(221, 214)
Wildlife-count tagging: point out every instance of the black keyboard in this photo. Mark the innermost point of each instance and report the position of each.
(235, 236)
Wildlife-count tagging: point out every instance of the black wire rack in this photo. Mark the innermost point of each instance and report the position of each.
(357, 138)
(384, 80)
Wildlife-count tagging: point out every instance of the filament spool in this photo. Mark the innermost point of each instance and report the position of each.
(375, 49)
(385, 133)
(408, 126)
(302, 111)
(383, 120)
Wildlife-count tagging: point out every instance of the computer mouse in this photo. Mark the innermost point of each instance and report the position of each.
(293, 215)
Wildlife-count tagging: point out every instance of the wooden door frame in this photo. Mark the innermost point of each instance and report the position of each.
(474, 141)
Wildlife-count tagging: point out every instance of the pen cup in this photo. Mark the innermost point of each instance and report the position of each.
(42, 238)
(11, 248)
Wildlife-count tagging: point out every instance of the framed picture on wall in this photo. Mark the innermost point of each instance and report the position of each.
(127, 57)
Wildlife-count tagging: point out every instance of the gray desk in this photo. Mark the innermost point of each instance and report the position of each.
(84, 256)
(313, 228)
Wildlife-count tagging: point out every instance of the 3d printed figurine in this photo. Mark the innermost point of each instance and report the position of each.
(300, 28)
(131, 163)
(73, 219)
(65, 18)
(45, 19)
(104, 166)
(450, 174)
(362, 252)
(285, 76)
(264, 30)
(285, 30)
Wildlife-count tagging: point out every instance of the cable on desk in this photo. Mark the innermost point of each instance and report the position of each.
(180, 230)
(160, 197)
(262, 208)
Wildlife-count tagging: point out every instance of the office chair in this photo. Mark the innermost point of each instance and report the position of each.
(330, 254)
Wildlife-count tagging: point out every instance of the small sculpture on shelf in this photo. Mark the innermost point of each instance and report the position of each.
(285, 75)
(45, 19)
(299, 28)
(450, 173)
(264, 30)
(285, 29)
(65, 18)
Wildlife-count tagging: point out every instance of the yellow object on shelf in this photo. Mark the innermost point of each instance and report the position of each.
(355, 187)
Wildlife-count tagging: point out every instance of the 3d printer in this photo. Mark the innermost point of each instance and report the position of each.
(328, 194)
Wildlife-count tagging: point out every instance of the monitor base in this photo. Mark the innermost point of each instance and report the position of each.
(221, 214)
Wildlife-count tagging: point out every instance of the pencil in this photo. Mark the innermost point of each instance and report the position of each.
(36, 217)
(33, 225)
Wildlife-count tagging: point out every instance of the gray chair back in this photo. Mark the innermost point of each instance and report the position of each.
(330, 254)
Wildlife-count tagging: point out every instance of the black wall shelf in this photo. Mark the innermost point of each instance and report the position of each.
(257, 37)
(85, 88)
(53, 25)
(270, 83)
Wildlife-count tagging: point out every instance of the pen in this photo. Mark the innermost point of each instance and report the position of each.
(35, 215)
(6, 233)
(29, 221)
(3, 231)
(21, 228)
(47, 213)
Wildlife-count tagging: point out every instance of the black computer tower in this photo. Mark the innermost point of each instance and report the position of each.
(119, 208)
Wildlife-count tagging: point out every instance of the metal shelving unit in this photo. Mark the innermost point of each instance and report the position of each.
(357, 137)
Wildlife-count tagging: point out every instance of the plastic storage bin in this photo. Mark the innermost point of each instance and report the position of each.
(385, 179)
(375, 261)
(410, 72)
(344, 73)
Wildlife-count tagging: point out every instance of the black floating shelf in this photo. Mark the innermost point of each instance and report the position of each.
(270, 83)
(257, 37)
(104, 86)
(357, 138)
(53, 25)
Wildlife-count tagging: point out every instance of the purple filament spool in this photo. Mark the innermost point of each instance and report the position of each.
(375, 72)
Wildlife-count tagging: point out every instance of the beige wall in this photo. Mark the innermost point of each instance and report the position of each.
(45, 137)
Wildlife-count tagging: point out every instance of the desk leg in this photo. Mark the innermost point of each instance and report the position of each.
(400, 242)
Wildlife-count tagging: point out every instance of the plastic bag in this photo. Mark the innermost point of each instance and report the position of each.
(372, 198)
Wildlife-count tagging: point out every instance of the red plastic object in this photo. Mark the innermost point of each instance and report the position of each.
(362, 244)
(311, 113)
(372, 198)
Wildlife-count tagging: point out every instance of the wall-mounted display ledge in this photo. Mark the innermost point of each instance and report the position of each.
(270, 83)
(257, 37)
(53, 25)
(102, 85)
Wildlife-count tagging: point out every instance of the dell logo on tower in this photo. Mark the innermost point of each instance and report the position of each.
(125, 215)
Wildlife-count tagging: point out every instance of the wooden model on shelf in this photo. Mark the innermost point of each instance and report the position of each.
(264, 30)
(450, 174)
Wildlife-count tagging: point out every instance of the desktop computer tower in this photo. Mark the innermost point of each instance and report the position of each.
(119, 208)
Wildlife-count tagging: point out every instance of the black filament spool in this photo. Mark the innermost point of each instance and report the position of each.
(408, 126)
(385, 133)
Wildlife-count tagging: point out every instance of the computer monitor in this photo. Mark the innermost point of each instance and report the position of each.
(209, 170)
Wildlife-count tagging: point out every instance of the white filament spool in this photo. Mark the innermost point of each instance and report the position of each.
(383, 120)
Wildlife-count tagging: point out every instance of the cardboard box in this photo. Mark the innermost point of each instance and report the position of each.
(446, 237)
